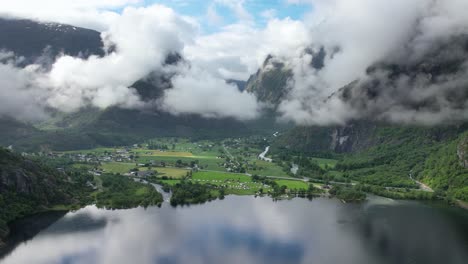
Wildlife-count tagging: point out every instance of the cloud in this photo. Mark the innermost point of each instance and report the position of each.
(239, 49)
(16, 93)
(213, 16)
(144, 37)
(196, 91)
(268, 13)
(237, 6)
(94, 14)
(371, 68)
(405, 85)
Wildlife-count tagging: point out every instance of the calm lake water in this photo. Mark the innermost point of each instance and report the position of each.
(255, 230)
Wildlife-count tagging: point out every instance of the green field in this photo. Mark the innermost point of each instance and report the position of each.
(323, 163)
(119, 167)
(83, 166)
(234, 183)
(206, 162)
(210, 176)
(157, 153)
(171, 172)
(94, 151)
(290, 184)
(268, 169)
(170, 182)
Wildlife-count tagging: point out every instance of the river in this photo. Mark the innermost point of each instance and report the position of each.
(244, 229)
(263, 154)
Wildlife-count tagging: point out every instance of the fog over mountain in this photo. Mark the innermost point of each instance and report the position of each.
(410, 69)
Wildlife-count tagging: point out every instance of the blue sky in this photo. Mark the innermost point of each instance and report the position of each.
(259, 10)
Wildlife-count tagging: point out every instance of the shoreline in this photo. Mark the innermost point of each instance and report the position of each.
(462, 204)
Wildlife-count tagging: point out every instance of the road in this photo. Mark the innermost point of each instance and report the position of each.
(228, 153)
(421, 185)
(166, 196)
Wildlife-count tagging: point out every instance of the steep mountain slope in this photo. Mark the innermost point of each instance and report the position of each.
(92, 127)
(12, 131)
(388, 155)
(269, 83)
(31, 39)
(445, 170)
(27, 186)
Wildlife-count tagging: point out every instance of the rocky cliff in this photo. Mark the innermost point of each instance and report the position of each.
(359, 136)
(269, 83)
(462, 152)
(29, 186)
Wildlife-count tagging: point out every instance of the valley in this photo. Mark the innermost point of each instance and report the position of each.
(176, 132)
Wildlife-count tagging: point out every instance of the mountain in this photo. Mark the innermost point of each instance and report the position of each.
(31, 39)
(383, 154)
(241, 85)
(371, 150)
(13, 131)
(28, 186)
(91, 127)
(268, 84)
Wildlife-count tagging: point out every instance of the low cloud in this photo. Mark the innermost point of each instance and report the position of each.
(144, 37)
(412, 70)
(400, 61)
(196, 91)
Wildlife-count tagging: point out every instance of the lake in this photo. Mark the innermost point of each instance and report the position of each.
(244, 229)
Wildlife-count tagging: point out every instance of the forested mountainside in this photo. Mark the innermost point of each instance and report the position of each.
(28, 186)
(389, 155)
(114, 127)
(35, 183)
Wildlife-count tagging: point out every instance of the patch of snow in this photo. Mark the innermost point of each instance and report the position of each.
(343, 139)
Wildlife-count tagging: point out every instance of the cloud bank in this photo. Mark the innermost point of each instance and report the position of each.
(144, 37)
(411, 70)
(400, 61)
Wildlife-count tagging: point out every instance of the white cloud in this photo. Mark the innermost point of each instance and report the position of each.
(358, 34)
(238, 50)
(354, 34)
(268, 13)
(94, 14)
(144, 37)
(213, 16)
(196, 91)
(237, 6)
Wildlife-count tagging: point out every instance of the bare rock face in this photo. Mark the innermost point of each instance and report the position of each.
(462, 152)
(352, 137)
(19, 178)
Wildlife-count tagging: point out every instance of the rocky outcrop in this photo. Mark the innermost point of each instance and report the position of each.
(462, 152)
(269, 83)
(25, 177)
(26, 186)
(353, 137)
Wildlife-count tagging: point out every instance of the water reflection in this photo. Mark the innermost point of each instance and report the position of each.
(250, 230)
(412, 233)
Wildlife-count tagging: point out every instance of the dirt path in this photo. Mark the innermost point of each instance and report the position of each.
(421, 185)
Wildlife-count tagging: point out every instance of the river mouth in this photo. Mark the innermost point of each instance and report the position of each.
(244, 229)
